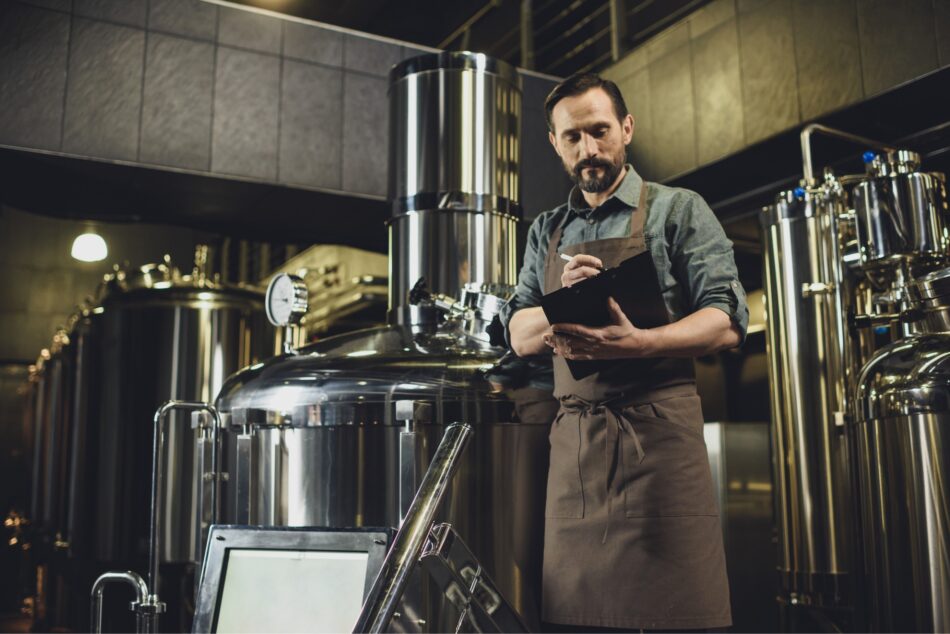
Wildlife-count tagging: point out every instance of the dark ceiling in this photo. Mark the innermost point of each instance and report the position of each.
(568, 35)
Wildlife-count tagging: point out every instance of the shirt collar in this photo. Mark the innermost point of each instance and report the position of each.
(628, 194)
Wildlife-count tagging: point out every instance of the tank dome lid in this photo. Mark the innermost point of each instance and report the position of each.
(906, 378)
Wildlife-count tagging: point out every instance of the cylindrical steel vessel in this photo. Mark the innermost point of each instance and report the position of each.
(806, 289)
(340, 433)
(315, 440)
(160, 336)
(901, 213)
(454, 161)
(51, 443)
(903, 458)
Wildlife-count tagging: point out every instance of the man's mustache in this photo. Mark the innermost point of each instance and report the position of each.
(591, 162)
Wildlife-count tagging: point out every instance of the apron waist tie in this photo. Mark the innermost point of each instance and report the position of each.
(617, 425)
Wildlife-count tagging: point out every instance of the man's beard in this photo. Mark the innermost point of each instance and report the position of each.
(594, 184)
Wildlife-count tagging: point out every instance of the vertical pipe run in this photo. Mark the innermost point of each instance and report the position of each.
(403, 555)
(618, 29)
(527, 35)
(158, 456)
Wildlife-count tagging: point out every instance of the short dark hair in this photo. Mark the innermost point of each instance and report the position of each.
(578, 84)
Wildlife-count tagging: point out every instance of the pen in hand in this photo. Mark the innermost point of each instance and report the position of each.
(568, 258)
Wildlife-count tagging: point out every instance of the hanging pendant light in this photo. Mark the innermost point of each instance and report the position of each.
(89, 247)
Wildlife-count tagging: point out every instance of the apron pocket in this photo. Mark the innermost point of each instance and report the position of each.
(674, 478)
(565, 492)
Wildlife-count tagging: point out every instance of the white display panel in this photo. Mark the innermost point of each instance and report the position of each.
(291, 591)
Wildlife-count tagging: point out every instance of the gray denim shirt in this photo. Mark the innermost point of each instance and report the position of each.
(693, 257)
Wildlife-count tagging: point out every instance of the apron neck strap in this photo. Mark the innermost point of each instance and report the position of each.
(639, 215)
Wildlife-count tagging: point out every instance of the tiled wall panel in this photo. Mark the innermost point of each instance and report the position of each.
(244, 138)
(311, 134)
(191, 18)
(33, 45)
(366, 130)
(898, 41)
(128, 12)
(769, 77)
(248, 29)
(313, 44)
(827, 54)
(672, 112)
(176, 115)
(942, 20)
(719, 112)
(104, 90)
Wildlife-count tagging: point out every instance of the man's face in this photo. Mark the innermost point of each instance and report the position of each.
(590, 140)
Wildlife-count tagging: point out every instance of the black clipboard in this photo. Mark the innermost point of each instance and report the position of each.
(633, 284)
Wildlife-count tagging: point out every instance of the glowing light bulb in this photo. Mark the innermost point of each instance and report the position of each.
(89, 247)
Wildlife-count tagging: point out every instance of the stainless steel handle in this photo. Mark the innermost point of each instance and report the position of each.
(146, 606)
(158, 457)
(391, 581)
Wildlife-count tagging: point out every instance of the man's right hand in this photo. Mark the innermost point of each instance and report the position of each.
(580, 268)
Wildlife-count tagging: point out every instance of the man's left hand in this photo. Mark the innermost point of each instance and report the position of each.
(619, 339)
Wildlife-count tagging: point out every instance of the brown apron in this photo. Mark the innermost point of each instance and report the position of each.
(632, 536)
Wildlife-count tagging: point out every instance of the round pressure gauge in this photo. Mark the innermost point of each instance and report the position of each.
(286, 300)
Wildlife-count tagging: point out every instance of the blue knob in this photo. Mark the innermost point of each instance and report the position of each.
(799, 193)
(869, 156)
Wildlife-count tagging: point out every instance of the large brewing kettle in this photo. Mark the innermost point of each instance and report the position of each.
(903, 462)
(339, 433)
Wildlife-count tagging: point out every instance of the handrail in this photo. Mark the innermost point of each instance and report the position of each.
(401, 560)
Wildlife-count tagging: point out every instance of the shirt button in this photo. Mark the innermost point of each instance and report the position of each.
(590, 221)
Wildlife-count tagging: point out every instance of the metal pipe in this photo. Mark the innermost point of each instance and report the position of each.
(129, 577)
(527, 35)
(401, 561)
(618, 29)
(158, 457)
(805, 137)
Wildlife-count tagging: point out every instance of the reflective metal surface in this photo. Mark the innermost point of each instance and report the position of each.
(455, 125)
(806, 288)
(902, 216)
(403, 556)
(159, 344)
(742, 477)
(314, 439)
(903, 456)
(459, 575)
(450, 249)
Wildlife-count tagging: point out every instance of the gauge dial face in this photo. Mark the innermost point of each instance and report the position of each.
(286, 300)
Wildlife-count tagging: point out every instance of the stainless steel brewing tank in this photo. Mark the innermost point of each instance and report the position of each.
(161, 336)
(51, 441)
(455, 126)
(809, 357)
(901, 214)
(903, 458)
(314, 439)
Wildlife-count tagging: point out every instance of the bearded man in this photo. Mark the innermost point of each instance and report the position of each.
(632, 534)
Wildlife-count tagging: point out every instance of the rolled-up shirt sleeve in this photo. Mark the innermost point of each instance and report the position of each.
(528, 292)
(703, 261)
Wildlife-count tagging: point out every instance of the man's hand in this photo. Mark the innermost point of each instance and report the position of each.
(706, 331)
(580, 268)
(620, 339)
